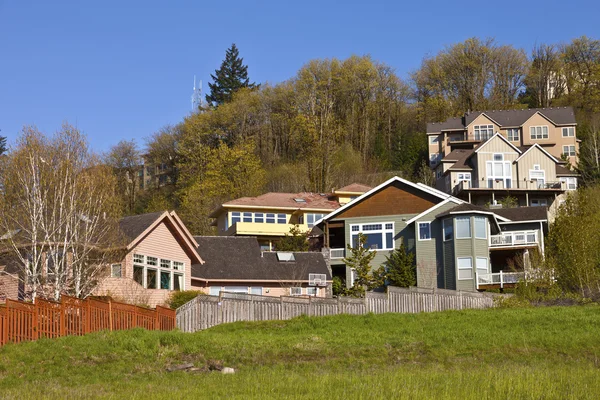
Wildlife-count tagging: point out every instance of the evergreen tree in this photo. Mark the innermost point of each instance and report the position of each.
(400, 268)
(230, 77)
(2, 145)
(296, 240)
(360, 260)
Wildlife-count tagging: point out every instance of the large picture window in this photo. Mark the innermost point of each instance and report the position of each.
(483, 132)
(168, 277)
(380, 236)
(499, 170)
(312, 218)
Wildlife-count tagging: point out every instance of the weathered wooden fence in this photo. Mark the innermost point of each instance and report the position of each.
(206, 311)
(20, 321)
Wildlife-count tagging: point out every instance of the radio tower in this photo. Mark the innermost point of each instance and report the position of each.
(196, 95)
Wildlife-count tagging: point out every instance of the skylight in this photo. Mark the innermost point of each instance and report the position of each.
(300, 200)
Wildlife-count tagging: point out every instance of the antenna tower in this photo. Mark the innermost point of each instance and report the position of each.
(196, 95)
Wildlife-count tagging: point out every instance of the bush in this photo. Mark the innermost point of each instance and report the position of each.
(177, 299)
(542, 293)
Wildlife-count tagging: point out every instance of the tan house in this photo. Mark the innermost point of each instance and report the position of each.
(554, 129)
(270, 216)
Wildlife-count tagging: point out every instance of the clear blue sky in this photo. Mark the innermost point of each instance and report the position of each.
(123, 69)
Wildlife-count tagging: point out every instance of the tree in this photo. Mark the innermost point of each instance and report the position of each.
(126, 162)
(360, 261)
(3, 147)
(60, 210)
(400, 268)
(295, 240)
(229, 78)
(545, 80)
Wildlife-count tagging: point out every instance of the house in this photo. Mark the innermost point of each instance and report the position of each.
(270, 216)
(237, 264)
(496, 169)
(447, 235)
(554, 129)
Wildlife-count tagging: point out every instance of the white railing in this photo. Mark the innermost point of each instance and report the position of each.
(499, 278)
(514, 238)
(337, 253)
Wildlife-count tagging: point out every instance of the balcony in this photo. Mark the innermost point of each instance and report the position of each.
(499, 279)
(260, 229)
(337, 254)
(512, 239)
(499, 184)
(466, 138)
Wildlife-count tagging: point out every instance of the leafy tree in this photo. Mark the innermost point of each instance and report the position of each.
(400, 268)
(295, 240)
(229, 78)
(360, 260)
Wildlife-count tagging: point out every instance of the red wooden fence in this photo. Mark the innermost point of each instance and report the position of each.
(20, 321)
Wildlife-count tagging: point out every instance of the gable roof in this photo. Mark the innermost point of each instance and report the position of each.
(134, 225)
(535, 145)
(461, 164)
(497, 134)
(507, 118)
(282, 201)
(466, 208)
(424, 188)
(239, 258)
(353, 188)
(416, 217)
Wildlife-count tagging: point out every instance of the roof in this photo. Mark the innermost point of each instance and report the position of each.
(134, 225)
(462, 155)
(465, 208)
(239, 258)
(506, 118)
(354, 188)
(523, 213)
(564, 171)
(287, 200)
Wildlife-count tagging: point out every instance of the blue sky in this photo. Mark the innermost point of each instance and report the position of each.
(124, 69)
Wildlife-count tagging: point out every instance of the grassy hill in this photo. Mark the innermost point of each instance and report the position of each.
(501, 353)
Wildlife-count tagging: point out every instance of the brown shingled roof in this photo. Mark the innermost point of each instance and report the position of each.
(462, 156)
(355, 188)
(523, 213)
(564, 171)
(273, 199)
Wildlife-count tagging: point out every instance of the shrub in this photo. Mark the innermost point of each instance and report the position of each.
(177, 299)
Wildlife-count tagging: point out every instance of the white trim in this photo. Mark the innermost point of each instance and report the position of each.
(419, 230)
(456, 230)
(263, 208)
(422, 187)
(479, 212)
(487, 116)
(413, 219)
(539, 147)
(465, 269)
(485, 220)
(501, 137)
(383, 231)
(522, 222)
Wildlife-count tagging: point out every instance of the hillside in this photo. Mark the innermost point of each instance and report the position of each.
(514, 353)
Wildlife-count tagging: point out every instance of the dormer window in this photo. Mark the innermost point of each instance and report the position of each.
(483, 132)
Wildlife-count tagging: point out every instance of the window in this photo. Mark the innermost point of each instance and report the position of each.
(380, 236)
(165, 263)
(499, 157)
(480, 228)
(463, 228)
(138, 258)
(568, 132)
(438, 173)
(312, 218)
(259, 218)
(499, 171)
(538, 132)
(152, 261)
(168, 277)
(270, 218)
(235, 217)
(115, 271)
(214, 290)
(236, 289)
(538, 202)
(151, 278)
(465, 267)
(466, 177)
(177, 266)
(571, 182)
(247, 217)
(165, 280)
(569, 151)
(434, 158)
(256, 290)
(513, 134)
(281, 218)
(177, 281)
(481, 263)
(311, 291)
(138, 274)
(539, 177)
(296, 291)
(483, 132)
(434, 139)
(424, 231)
(448, 229)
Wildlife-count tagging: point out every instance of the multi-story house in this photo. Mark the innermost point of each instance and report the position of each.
(485, 166)
(457, 245)
(270, 216)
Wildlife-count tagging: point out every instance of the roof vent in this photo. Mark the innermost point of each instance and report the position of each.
(300, 200)
(285, 256)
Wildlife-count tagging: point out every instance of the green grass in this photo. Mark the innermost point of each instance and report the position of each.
(540, 353)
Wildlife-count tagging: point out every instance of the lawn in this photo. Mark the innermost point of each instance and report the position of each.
(540, 353)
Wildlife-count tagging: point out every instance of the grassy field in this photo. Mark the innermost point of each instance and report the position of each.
(541, 353)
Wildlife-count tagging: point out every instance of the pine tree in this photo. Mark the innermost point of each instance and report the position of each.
(230, 77)
(2, 145)
(400, 268)
(360, 260)
(296, 240)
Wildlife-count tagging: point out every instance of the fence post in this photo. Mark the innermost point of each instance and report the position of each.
(88, 316)
(280, 308)
(34, 322)
(501, 280)
(62, 320)
(110, 318)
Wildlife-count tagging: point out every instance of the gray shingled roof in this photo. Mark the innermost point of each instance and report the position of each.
(564, 171)
(240, 258)
(523, 213)
(134, 225)
(464, 208)
(506, 118)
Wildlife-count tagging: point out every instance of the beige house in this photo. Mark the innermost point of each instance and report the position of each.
(554, 129)
(270, 216)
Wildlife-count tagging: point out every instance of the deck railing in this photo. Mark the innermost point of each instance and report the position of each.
(499, 278)
(337, 253)
(514, 239)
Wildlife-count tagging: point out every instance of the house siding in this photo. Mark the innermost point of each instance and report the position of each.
(536, 156)
(449, 268)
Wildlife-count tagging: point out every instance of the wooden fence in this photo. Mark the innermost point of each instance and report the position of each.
(206, 311)
(20, 321)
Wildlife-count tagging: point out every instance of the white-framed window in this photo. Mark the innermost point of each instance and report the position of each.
(448, 229)
(465, 267)
(434, 139)
(480, 227)
(296, 291)
(312, 291)
(116, 271)
(499, 170)
(538, 176)
(481, 263)
(568, 132)
(312, 218)
(538, 132)
(380, 235)
(257, 290)
(150, 274)
(538, 202)
(281, 219)
(236, 289)
(424, 230)
(571, 182)
(463, 227)
(513, 134)
(270, 218)
(259, 218)
(247, 217)
(235, 217)
(214, 290)
(483, 132)
(465, 177)
(569, 150)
